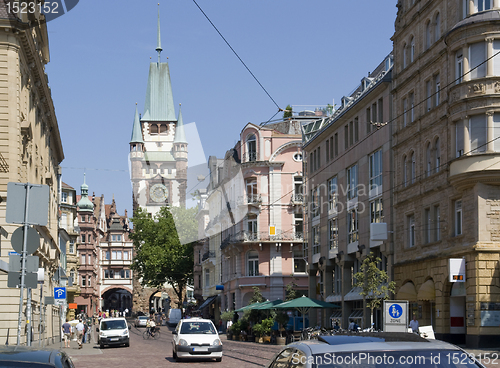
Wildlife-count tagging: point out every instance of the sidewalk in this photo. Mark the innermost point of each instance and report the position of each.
(87, 349)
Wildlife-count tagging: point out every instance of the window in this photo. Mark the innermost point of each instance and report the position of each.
(481, 5)
(412, 49)
(496, 131)
(405, 171)
(298, 188)
(437, 92)
(332, 194)
(299, 264)
(374, 113)
(125, 255)
(496, 57)
(411, 98)
(251, 148)
(477, 57)
(413, 168)
(459, 138)
(316, 248)
(427, 35)
(437, 28)
(113, 254)
(404, 56)
(377, 211)
(346, 137)
(207, 278)
(428, 160)
(477, 131)
(298, 225)
(352, 182)
(153, 128)
(88, 281)
(336, 144)
(427, 225)
(437, 153)
(405, 112)
(251, 186)
(83, 238)
(356, 129)
(119, 255)
(89, 259)
(327, 151)
(72, 275)
(106, 274)
(84, 258)
(127, 274)
(459, 66)
(253, 263)
(116, 238)
(252, 226)
(381, 110)
(319, 158)
(464, 9)
(458, 217)
(64, 197)
(437, 223)
(428, 95)
(333, 233)
(108, 255)
(331, 148)
(84, 281)
(368, 120)
(375, 169)
(338, 279)
(111, 274)
(352, 225)
(315, 210)
(411, 230)
(122, 274)
(71, 246)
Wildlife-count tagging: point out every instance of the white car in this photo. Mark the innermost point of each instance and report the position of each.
(113, 331)
(196, 338)
(141, 321)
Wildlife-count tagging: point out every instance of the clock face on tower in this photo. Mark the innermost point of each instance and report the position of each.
(158, 193)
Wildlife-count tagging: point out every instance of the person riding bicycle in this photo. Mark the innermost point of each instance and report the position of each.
(152, 326)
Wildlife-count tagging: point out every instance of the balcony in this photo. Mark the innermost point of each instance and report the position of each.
(250, 199)
(249, 157)
(116, 262)
(208, 255)
(262, 237)
(297, 199)
(472, 169)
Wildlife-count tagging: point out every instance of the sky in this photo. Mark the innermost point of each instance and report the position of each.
(305, 53)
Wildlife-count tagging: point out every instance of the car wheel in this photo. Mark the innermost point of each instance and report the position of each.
(218, 359)
(127, 344)
(174, 355)
(101, 346)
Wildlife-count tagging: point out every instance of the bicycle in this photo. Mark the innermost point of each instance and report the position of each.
(151, 335)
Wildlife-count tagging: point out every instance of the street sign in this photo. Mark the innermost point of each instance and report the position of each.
(38, 203)
(395, 316)
(456, 268)
(59, 301)
(49, 300)
(30, 279)
(32, 243)
(60, 293)
(15, 263)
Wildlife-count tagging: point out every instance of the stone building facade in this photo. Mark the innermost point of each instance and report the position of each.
(446, 86)
(30, 151)
(348, 161)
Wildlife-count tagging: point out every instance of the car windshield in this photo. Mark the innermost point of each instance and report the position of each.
(143, 318)
(113, 325)
(399, 359)
(197, 328)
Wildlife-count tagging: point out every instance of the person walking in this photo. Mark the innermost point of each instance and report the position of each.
(80, 328)
(66, 327)
(414, 324)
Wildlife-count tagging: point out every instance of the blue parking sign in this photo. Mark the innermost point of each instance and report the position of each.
(60, 293)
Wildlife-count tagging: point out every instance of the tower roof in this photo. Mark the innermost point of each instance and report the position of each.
(159, 104)
(180, 136)
(85, 204)
(136, 129)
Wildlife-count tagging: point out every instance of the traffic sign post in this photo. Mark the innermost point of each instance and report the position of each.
(59, 293)
(395, 316)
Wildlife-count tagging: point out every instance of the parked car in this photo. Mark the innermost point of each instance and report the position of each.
(196, 338)
(141, 321)
(24, 356)
(113, 331)
(344, 351)
(174, 316)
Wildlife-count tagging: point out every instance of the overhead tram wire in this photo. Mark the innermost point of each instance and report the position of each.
(239, 58)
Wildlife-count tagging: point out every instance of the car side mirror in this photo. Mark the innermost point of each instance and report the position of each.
(174, 332)
(129, 327)
(97, 329)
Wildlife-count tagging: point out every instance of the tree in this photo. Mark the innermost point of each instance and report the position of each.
(291, 291)
(160, 257)
(373, 282)
(287, 112)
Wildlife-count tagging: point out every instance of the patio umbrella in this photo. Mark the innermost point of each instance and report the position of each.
(249, 306)
(267, 305)
(303, 304)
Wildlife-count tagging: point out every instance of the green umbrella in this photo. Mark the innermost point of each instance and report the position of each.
(267, 305)
(249, 306)
(303, 304)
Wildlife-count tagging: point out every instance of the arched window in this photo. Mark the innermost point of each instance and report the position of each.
(251, 148)
(437, 28)
(404, 56)
(252, 263)
(413, 168)
(428, 34)
(153, 129)
(405, 171)
(412, 49)
(437, 152)
(428, 160)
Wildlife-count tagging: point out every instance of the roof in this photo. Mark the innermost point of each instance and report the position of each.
(180, 136)
(484, 16)
(158, 156)
(136, 129)
(66, 186)
(159, 104)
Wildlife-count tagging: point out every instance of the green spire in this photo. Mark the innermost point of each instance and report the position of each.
(158, 47)
(136, 129)
(84, 204)
(180, 137)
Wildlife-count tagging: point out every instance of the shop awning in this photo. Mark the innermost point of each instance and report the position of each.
(427, 291)
(356, 314)
(354, 294)
(333, 298)
(207, 302)
(407, 292)
(336, 314)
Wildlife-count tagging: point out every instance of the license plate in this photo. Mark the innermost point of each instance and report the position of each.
(200, 349)
(114, 339)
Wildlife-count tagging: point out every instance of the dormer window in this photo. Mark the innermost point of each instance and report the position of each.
(365, 82)
(251, 148)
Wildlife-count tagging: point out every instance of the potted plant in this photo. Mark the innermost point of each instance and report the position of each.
(226, 317)
(267, 325)
(243, 329)
(259, 332)
(281, 319)
(236, 329)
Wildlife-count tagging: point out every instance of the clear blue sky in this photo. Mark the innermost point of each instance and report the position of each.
(304, 52)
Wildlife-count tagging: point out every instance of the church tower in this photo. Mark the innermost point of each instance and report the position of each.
(158, 147)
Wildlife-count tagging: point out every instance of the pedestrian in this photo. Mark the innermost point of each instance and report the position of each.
(80, 328)
(85, 329)
(66, 327)
(126, 312)
(414, 324)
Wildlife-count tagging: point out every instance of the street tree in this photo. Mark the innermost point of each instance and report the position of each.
(374, 283)
(160, 257)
